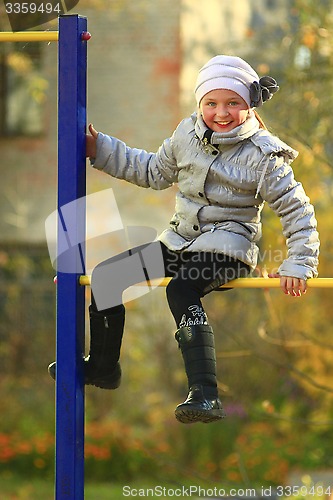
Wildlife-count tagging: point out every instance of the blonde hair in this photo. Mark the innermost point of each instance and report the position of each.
(260, 120)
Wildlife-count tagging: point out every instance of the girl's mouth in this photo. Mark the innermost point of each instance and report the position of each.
(222, 124)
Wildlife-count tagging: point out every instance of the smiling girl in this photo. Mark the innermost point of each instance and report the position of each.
(226, 165)
(222, 110)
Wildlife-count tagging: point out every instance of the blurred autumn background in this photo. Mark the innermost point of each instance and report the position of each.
(274, 353)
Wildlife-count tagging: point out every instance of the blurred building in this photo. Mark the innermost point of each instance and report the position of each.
(143, 60)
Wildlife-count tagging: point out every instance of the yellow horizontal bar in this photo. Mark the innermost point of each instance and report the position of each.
(29, 36)
(239, 283)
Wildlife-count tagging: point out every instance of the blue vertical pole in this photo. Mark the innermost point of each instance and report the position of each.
(72, 62)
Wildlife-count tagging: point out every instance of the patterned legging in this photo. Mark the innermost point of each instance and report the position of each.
(194, 274)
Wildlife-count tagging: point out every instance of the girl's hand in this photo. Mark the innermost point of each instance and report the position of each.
(91, 139)
(290, 285)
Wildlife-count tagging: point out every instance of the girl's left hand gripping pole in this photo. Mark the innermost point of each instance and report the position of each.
(72, 98)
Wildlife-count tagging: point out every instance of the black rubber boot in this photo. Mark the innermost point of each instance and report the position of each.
(101, 366)
(198, 350)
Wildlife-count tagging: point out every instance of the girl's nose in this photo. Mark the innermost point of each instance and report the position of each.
(221, 111)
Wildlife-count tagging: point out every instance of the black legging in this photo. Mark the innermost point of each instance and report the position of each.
(194, 274)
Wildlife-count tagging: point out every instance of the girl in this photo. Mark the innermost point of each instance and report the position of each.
(226, 165)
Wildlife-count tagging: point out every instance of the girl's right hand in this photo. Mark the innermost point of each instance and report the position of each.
(91, 139)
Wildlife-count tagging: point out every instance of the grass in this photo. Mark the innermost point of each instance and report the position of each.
(12, 487)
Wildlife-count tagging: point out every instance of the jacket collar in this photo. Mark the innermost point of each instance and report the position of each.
(238, 134)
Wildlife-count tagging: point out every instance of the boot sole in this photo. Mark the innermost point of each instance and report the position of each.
(191, 416)
(104, 384)
(112, 382)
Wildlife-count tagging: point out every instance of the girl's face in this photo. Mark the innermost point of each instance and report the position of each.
(222, 110)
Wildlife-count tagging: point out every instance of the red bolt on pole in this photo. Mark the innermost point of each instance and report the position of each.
(85, 35)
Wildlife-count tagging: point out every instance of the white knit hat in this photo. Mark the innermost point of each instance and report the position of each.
(226, 72)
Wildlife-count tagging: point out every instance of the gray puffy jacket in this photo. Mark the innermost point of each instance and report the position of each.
(222, 189)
